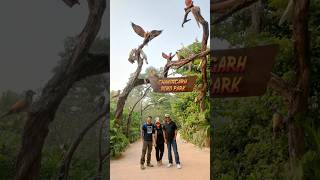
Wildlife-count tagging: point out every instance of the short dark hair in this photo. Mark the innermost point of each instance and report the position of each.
(150, 117)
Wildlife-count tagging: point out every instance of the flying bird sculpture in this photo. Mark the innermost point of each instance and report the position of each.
(168, 57)
(21, 105)
(148, 36)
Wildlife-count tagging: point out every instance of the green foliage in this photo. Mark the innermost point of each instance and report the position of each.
(50, 163)
(118, 141)
(244, 147)
(194, 126)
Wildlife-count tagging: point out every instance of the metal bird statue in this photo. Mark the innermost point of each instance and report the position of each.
(148, 36)
(21, 105)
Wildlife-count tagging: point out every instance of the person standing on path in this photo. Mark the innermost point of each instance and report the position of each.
(171, 131)
(160, 139)
(147, 136)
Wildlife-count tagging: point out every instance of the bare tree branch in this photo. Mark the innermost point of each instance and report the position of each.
(65, 165)
(71, 3)
(133, 107)
(229, 7)
(101, 155)
(179, 63)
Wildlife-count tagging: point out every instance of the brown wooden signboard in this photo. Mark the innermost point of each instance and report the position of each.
(173, 85)
(241, 72)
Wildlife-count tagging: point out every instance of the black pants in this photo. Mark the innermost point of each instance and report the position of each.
(159, 151)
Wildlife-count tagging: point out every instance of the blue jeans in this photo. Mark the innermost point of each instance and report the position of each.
(173, 143)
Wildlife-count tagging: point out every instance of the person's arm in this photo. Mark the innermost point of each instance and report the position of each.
(142, 134)
(164, 136)
(154, 136)
(175, 131)
(154, 140)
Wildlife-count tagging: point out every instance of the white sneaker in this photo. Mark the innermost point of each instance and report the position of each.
(169, 165)
(178, 166)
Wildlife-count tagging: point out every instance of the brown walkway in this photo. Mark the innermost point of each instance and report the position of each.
(195, 164)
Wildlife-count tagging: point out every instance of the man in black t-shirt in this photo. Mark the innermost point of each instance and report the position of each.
(171, 132)
(147, 136)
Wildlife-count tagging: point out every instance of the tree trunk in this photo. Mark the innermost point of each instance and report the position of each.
(299, 102)
(256, 11)
(126, 91)
(101, 156)
(133, 82)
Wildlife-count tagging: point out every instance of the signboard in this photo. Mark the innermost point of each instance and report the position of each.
(173, 85)
(241, 72)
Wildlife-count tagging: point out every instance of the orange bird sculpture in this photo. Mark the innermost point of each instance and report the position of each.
(189, 4)
(148, 36)
(21, 105)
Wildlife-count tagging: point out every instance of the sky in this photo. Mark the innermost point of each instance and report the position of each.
(32, 34)
(166, 15)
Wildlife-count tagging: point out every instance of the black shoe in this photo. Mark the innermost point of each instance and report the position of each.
(149, 165)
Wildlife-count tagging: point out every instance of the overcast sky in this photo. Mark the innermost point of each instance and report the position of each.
(164, 15)
(31, 36)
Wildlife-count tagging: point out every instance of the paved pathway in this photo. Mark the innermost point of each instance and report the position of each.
(195, 164)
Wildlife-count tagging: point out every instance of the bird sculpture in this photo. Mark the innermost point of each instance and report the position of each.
(195, 10)
(21, 105)
(148, 36)
(168, 57)
(189, 4)
(136, 54)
